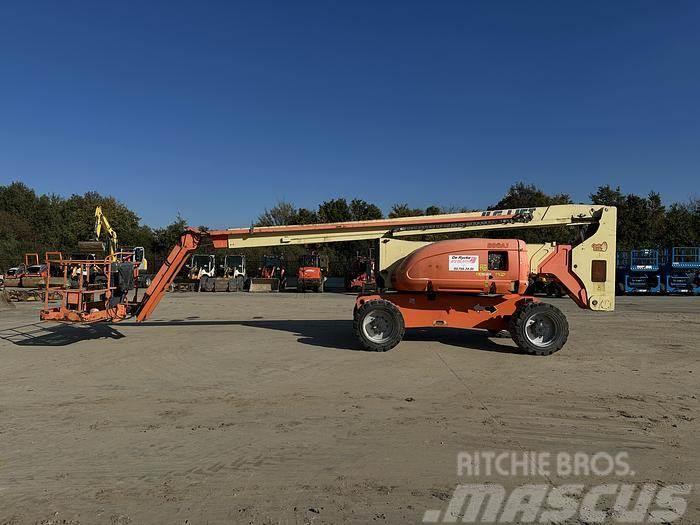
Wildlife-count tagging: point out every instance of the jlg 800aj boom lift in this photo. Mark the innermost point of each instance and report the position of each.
(466, 283)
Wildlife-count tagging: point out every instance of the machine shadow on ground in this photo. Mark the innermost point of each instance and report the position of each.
(40, 334)
(338, 334)
(334, 334)
(461, 338)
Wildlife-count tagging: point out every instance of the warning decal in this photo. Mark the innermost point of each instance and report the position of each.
(464, 263)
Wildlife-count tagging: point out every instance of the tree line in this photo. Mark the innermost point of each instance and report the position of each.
(36, 223)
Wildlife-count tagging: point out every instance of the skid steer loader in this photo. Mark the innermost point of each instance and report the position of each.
(231, 275)
(271, 275)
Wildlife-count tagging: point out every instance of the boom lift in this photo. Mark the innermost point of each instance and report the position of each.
(466, 283)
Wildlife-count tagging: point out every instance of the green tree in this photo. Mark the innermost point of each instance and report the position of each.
(165, 238)
(361, 210)
(523, 195)
(334, 210)
(280, 214)
(305, 216)
(682, 225)
(608, 196)
(404, 210)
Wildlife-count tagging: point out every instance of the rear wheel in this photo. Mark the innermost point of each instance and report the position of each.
(379, 325)
(539, 328)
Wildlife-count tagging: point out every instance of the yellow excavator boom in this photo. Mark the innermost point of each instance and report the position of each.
(101, 223)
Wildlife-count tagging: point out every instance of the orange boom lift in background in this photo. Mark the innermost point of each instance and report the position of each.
(464, 283)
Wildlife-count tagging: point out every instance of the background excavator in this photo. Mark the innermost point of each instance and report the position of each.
(476, 283)
(111, 248)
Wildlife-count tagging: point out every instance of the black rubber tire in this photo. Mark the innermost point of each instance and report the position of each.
(239, 283)
(206, 284)
(518, 323)
(395, 315)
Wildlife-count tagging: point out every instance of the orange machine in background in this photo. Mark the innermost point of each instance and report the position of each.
(361, 275)
(312, 272)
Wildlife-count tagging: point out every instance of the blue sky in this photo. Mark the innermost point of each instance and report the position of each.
(216, 110)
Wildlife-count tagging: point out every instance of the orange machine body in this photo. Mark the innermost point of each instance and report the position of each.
(462, 283)
(310, 274)
(472, 266)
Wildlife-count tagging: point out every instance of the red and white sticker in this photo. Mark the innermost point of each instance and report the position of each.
(464, 263)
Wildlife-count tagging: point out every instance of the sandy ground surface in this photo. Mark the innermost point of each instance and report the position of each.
(240, 408)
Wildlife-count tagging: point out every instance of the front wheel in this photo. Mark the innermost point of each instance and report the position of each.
(539, 328)
(379, 325)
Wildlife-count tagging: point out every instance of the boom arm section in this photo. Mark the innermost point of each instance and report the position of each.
(189, 241)
(559, 215)
(586, 269)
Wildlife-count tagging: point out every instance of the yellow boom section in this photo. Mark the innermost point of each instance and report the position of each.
(592, 260)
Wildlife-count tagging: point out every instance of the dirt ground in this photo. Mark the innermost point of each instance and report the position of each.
(242, 408)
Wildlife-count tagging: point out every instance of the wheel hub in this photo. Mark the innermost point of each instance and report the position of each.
(378, 326)
(541, 329)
